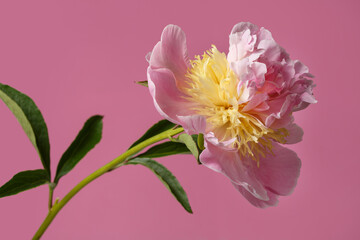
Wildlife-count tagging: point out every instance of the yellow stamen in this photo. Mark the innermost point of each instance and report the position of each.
(214, 86)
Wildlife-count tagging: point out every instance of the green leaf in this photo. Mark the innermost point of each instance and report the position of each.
(143, 83)
(167, 178)
(190, 143)
(200, 141)
(165, 149)
(23, 181)
(157, 128)
(31, 120)
(87, 138)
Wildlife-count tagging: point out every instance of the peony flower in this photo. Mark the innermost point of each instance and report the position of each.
(242, 102)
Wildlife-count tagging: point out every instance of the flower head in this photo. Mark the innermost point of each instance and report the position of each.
(242, 103)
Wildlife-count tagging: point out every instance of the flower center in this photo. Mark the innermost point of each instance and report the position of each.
(215, 88)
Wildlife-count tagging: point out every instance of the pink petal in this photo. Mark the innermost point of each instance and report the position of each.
(240, 68)
(279, 113)
(240, 45)
(242, 42)
(268, 87)
(255, 101)
(261, 107)
(168, 100)
(193, 124)
(307, 97)
(300, 68)
(244, 92)
(305, 88)
(279, 172)
(273, 52)
(245, 70)
(301, 106)
(273, 198)
(228, 162)
(259, 70)
(210, 137)
(295, 134)
(171, 53)
(243, 26)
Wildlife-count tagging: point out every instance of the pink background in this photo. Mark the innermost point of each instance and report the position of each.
(79, 58)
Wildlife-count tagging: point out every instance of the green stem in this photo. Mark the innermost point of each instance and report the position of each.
(51, 193)
(104, 169)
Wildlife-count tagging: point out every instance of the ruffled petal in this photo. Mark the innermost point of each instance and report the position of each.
(279, 113)
(242, 42)
(171, 53)
(258, 71)
(239, 171)
(243, 26)
(307, 97)
(300, 68)
(168, 99)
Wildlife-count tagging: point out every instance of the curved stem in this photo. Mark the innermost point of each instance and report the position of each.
(104, 169)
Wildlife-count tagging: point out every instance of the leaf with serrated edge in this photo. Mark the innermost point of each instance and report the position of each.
(31, 120)
(167, 178)
(23, 181)
(157, 128)
(87, 138)
(165, 149)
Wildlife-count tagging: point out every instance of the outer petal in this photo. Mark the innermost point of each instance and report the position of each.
(273, 198)
(295, 134)
(228, 163)
(276, 175)
(171, 53)
(279, 172)
(193, 124)
(168, 99)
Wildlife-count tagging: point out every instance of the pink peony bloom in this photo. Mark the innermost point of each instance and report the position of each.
(242, 103)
